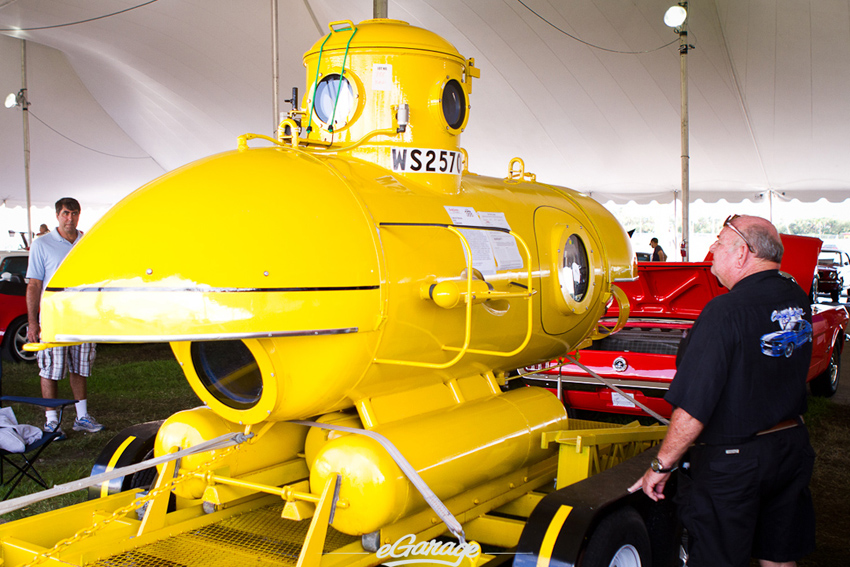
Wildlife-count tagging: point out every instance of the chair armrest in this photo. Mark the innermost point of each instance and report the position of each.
(44, 402)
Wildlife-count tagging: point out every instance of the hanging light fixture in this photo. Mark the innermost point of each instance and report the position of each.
(675, 16)
(14, 99)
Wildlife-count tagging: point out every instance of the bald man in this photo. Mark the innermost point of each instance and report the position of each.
(739, 394)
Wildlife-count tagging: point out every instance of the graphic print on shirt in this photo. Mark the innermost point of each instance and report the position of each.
(795, 332)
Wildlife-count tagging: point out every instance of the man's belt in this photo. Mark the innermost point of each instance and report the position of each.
(787, 424)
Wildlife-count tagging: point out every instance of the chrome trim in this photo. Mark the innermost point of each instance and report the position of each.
(590, 381)
(198, 337)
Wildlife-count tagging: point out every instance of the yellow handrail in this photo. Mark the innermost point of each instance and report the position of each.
(468, 298)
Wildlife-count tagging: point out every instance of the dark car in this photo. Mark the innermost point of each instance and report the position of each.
(829, 279)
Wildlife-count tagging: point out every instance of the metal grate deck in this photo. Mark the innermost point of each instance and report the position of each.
(258, 538)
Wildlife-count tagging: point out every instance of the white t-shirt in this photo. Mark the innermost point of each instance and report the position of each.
(46, 253)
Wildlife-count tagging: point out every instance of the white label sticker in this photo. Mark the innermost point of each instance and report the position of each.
(482, 253)
(621, 401)
(382, 77)
(425, 160)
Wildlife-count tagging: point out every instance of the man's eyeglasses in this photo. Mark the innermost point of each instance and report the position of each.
(728, 223)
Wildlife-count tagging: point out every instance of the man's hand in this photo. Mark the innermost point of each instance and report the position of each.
(33, 332)
(33, 300)
(652, 483)
(682, 431)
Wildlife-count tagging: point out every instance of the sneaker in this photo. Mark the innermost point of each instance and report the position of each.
(52, 426)
(87, 423)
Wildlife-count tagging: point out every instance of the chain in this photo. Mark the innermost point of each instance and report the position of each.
(121, 512)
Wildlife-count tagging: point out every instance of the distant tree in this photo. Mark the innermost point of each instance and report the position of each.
(815, 227)
(705, 225)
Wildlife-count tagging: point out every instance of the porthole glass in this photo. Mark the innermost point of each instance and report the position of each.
(229, 372)
(574, 269)
(334, 100)
(454, 104)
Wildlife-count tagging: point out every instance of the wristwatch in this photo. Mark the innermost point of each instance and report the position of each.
(656, 466)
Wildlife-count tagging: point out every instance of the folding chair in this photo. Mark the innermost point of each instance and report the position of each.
(24, 463)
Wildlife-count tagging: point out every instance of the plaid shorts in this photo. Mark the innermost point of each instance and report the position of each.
(78, 359)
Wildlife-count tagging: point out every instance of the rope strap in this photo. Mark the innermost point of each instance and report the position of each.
(432, 499)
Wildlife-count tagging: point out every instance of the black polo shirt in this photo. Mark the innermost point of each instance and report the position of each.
(736, 372)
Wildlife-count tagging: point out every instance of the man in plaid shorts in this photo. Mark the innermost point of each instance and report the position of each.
(46, 254)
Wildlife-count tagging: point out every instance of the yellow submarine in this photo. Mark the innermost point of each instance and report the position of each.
(347, 299)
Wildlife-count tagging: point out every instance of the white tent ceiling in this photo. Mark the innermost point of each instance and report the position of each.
(119, 100)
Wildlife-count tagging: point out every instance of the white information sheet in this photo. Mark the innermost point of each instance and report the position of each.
(482, 253)
(505, 247)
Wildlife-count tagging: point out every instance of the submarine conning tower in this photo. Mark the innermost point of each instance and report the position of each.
(395, 94)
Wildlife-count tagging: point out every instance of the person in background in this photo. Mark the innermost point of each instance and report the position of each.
(42, 230)
(45, 256)
(739, 394)
(658, 254)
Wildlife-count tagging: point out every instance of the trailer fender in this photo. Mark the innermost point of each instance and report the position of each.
(588, 523)
(131, 446)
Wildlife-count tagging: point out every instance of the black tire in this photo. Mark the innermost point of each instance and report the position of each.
(813, 293)
(145, 478)
(620, 540)
(834, 295)
(14, 340)
(139, 440)
(826, 383)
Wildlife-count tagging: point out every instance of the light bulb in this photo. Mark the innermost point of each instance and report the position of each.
(11, 100)
(675, 16)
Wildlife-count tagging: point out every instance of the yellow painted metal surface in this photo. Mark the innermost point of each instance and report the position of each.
(585, 452)
(280, 443)
(357, 273)
(445, 447)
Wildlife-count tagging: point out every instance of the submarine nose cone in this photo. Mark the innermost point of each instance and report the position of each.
(225, 247)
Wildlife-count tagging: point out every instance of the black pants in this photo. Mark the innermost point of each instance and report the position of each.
(749, 500)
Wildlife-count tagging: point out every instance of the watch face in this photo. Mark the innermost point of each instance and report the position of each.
(656, 465)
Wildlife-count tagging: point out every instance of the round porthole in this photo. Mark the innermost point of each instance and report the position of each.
(574, 269)
(229, 372)
(454, 104)
(334, 100)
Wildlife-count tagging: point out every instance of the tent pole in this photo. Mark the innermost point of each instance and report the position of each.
(379, 8)
(275, 71)
(686, 197)
(25, 107)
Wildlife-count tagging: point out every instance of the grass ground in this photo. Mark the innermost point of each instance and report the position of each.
(129, 384)
(829, 427)
(137, 383)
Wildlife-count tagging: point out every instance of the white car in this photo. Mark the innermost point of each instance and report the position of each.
(832, 256)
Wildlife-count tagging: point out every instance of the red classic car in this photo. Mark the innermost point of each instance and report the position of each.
(665, 300)
(13, 306)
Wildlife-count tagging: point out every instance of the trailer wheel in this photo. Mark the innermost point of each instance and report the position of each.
(620, 540)
(131, 446)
